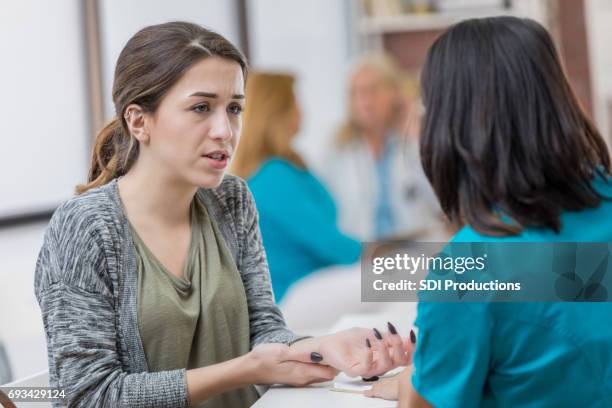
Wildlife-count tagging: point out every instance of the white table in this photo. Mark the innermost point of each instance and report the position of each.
(319, 395)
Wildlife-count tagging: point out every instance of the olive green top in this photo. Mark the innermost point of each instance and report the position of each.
(200, 319)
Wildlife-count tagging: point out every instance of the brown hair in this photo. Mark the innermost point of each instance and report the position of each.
(270, 101)
(151, 62)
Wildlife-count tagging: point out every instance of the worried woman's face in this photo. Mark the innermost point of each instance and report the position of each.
(195, 130)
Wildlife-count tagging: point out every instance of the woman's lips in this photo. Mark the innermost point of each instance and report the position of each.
(217, 164)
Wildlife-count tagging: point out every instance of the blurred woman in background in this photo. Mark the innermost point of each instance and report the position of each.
(297, 214)
(373, 168)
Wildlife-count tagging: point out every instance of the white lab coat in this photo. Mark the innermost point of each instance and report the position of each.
(349, 172)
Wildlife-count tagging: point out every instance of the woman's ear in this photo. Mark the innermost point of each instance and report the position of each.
(136, 120)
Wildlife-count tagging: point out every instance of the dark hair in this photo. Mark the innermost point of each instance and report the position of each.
(504, 141)
(151, 62)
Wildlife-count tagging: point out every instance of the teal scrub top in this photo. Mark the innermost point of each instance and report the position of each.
(298, 222)
(520, 354)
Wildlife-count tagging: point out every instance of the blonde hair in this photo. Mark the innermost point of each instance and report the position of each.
(390, 72)
(266, 131)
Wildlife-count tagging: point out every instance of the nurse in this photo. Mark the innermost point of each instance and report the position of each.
(512, 157)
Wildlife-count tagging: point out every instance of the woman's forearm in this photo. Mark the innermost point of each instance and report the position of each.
(206, 382)
(271, 363)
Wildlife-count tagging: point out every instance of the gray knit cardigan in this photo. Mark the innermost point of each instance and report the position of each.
(86, 285)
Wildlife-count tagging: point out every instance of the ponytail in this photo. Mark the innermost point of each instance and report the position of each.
(114, 152)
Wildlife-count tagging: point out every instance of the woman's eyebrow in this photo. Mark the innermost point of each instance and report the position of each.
(214, 95)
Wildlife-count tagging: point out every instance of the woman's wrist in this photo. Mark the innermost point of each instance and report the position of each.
(206, 382)
(308, 346)
(251, 368)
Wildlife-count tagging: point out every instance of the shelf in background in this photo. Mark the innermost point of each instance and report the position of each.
(423, 22)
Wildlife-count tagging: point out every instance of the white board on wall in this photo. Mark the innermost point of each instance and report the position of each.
(45, 126)
(120, 19)
(43, 105)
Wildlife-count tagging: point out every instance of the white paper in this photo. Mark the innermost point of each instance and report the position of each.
(352, 385)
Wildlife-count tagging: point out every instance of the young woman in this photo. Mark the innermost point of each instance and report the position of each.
(372, 167)
(512, 158)
(153, 282)
(297, 214)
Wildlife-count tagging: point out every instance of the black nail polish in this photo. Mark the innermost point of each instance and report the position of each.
(391, 327)
(377, 334)
(412, 337)
(316, 357)
(368, 343)
(375, 378)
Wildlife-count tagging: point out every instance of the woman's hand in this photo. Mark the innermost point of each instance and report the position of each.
(265, 364)
(389, 350)
(358, 351)
(274, 364)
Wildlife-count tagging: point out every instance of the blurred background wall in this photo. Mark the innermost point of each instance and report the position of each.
(56, 76)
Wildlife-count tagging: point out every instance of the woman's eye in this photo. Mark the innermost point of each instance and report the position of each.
(235, 109)
(201, 108)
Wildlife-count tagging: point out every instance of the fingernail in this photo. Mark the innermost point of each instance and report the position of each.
(391, 327)
(316, 357)
(375, 378)
(412, 337)
(377, 334)
(368, 343)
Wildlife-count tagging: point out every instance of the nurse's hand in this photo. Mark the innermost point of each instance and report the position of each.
(399, 388)
(386, 388)
(273, 364)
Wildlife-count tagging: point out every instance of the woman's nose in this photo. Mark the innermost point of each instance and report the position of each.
(221, 128)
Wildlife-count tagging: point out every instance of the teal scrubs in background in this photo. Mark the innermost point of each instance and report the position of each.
(297, 217)
(520, 354)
